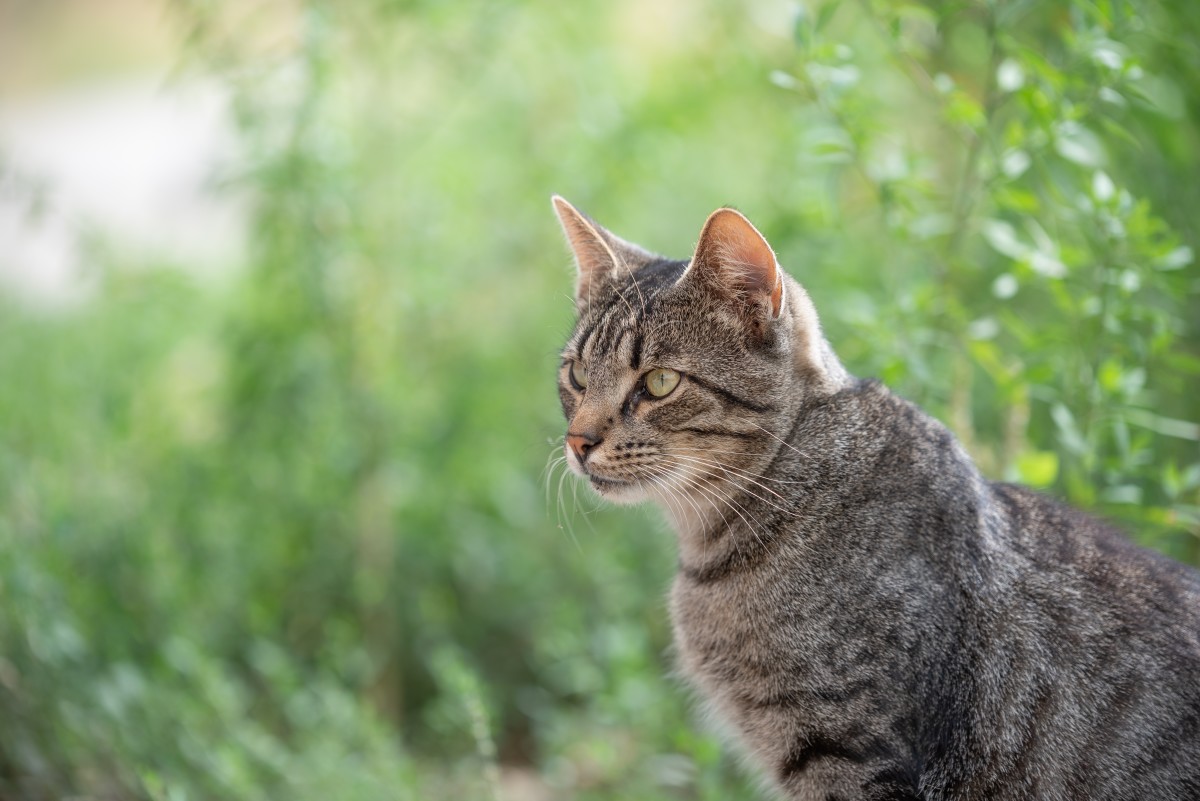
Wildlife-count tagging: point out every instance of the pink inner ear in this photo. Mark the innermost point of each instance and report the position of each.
(740, 256)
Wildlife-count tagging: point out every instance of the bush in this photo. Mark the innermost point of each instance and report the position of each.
(295, 538)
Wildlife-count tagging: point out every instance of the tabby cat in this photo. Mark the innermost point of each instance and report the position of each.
(871, 617)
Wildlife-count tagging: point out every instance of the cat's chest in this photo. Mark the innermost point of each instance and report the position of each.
(777, 656)
(740, 641)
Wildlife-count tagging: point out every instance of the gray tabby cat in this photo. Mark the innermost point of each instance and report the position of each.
(873, 618)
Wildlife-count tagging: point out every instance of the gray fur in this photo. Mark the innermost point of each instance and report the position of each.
(871, 616)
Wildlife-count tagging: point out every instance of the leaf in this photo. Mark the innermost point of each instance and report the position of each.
(1068, 431)
(802, 28)
(1167, 426)
(983, 328)
(1005, 286)
(784, 80)
(826, 14)
(1047, 265)
(1077, 144)
(1038, 468)
(1109, 375)
(1177, 259)
(1123, 493)
(1103, 187)
(1003, 239)
(1108, 53)
(1014, 163)
(1159, 94)
(1009, 75)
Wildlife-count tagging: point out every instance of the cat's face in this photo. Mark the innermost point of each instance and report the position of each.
(652, 396)
(678, 373)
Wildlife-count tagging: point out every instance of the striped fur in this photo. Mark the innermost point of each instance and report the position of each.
(872, 617)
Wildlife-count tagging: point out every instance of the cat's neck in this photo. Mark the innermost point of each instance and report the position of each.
(807, 467)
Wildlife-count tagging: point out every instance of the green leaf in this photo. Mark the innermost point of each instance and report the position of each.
(1009, 75)
(1177, 259)
(1003, 239)
(1068, 432)
(1077, 144)
(826, 14)
(1182, 429)
(1038, 468)
(1123, 494)
(803, 29)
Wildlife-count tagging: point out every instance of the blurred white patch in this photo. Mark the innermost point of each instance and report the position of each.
(135, 163)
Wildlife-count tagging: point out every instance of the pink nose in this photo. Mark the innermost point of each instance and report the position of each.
(580, 444)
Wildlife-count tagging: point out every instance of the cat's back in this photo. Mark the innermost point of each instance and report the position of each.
(1081, 568)
(1087, 679)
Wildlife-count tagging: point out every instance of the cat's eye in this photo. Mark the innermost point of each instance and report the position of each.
(660, 382)
(578, 375)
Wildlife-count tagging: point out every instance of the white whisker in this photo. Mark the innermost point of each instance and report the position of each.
(712, 493)
(737, 472)
(781, 440)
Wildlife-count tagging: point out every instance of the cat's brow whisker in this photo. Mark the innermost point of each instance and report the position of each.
(638, 287)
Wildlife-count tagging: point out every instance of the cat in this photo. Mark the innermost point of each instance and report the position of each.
(870, 616)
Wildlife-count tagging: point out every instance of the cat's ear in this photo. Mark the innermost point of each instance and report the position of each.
(600, 255)
(734, 259)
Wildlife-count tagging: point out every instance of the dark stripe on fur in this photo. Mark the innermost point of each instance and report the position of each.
(818, 747)
(721, 432)
(730, 397)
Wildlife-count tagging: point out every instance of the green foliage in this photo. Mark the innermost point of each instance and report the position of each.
(293, 537)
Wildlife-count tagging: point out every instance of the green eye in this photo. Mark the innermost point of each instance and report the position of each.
(660, 382)
(578, 375)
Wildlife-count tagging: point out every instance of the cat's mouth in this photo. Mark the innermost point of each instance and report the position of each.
(599, 482)
(617, 490)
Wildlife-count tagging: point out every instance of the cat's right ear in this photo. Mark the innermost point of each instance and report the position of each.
(600, 255)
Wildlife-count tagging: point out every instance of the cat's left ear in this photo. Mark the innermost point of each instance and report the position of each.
(600, 255)
(734, 259)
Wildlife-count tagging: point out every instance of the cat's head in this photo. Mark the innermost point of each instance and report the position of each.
(680, 376)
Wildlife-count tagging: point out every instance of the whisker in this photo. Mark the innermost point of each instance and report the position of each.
(552, 463)
(784, 442)
(712, 493)
(712, 482)
(679, 492)
(738, 471)
(671, 494)
(734, 471)
(562, 514)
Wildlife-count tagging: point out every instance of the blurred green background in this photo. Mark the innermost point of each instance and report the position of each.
(275, 522)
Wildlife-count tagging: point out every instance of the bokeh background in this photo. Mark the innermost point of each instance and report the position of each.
(280, 300)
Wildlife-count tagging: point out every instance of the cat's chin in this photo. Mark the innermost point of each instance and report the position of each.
(621, 492)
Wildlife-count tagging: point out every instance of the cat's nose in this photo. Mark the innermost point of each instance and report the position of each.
(580, 444)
